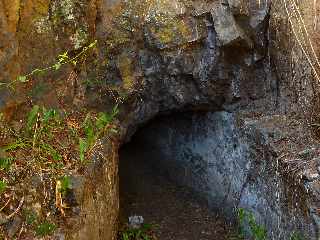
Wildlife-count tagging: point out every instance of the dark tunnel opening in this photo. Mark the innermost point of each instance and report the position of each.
(169, 194)
(190, 173)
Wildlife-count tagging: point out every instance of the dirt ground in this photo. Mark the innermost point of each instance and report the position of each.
(174, 211)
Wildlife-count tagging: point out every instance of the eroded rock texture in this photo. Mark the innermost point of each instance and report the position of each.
(203, 55)
(234, 161)
(160, 56)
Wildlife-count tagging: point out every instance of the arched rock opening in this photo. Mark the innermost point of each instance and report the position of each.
(224, 160)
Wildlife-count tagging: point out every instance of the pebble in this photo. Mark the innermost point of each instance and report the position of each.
(14, 226)
(310, 175)
(135, 221)
(3, 218)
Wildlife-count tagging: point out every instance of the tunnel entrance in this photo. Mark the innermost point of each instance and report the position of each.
(174, 211)
(189, 173)
(153, 185)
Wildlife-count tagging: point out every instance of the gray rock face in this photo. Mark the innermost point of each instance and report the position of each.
(222, 62)
(199, 57)
(216, 55)
(197, 54)
(229, 161)
(228, 30)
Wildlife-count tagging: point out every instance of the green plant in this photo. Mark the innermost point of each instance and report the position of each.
(18, 143)
(3, 186)
(249, 226)
(241, 221)
(48, 140)
(94, 128)
(65, 184)
(142, 233)
(296, 236)
(62, 59)
(45, 228)
(30, 216)
(41, 229)
(259, 232)
(32, 117)
(49, 136)
(37, 135)
(5, 163)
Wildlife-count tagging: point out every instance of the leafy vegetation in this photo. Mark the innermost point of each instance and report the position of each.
(47, 129)
(65, 185)
(93, 129)
(50, 141)
(296, 236)
(41, 228)
(5, 163)
(30, 217)
(142, 233)
(3, 186)
(62, 59)
(250, 229)
(247, 222)
(45, 228)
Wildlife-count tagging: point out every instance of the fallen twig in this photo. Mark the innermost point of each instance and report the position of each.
(5, 205)
(17, 210)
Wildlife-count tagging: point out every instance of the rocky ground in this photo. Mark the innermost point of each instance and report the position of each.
(174, 212)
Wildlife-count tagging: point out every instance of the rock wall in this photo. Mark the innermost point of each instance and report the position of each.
(294, 53)
(157, 56)
(198, 40)
(98, 198)
(231, 162)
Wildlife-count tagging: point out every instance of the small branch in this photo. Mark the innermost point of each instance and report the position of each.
(17, 210)
(54, 66)
(6, 204)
